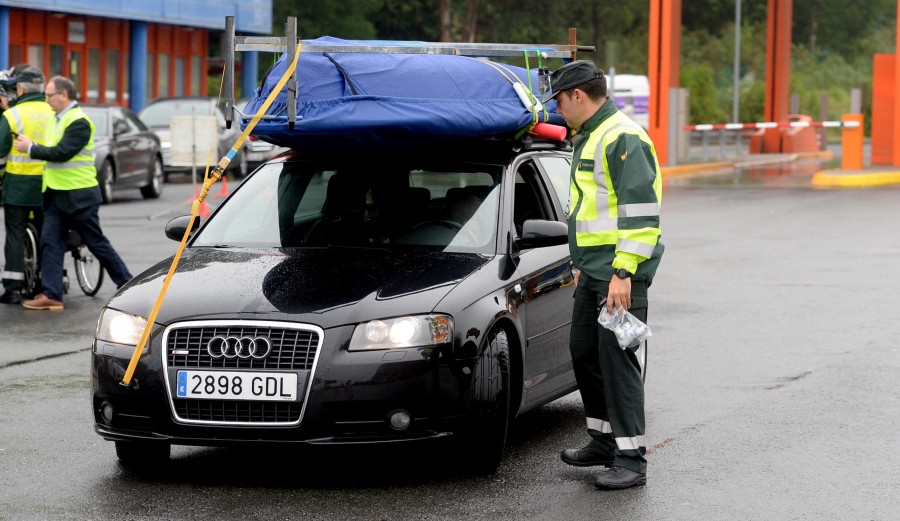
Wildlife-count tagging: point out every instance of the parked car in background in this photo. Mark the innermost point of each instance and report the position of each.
(157, 114)
(258, 151)
(127, 153)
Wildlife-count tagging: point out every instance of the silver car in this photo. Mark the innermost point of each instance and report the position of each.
(156, 116)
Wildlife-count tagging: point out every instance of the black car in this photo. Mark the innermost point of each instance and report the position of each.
(127, 153)
(398, 297)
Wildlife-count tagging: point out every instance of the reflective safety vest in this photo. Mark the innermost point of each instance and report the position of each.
(79, 171)
(35, 120)
(616, 191)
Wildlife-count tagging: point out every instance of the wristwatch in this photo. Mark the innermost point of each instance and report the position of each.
(622, 273)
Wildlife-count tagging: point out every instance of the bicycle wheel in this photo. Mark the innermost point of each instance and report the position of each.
(88, 270)
(32, 262)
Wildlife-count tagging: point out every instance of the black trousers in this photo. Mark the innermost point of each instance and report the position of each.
(609, 377)
(14, 219)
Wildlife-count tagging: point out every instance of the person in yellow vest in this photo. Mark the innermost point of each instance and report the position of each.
(71, 194)
(32, 116)
(615, 194)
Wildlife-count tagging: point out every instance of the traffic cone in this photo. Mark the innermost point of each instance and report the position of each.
(224, 191)
(196, 195)
(203, 211)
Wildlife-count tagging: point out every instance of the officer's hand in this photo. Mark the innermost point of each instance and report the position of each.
(619, 294)
(22, 143)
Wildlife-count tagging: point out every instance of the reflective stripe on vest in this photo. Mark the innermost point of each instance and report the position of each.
(79, 171)
(597, 218)
(35, 120)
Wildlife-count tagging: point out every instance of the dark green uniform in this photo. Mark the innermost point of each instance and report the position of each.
(616, 191)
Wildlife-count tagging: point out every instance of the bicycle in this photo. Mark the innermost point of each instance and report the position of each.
(88, 270)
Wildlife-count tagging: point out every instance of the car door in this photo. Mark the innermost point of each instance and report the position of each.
(126, 144)
(546, 286)
(145, 148)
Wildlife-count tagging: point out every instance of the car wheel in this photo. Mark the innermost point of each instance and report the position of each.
(107, 181)
(142, 451)
(155, 183)
(485, 437)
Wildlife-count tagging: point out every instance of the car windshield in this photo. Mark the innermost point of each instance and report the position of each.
(97, 116)
(452, 207)
(158, 114)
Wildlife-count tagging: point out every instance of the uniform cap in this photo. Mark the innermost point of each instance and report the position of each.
(572, 75)
(31, 75)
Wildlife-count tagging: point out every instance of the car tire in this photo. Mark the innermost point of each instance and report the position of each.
(489, 405)
(155, 183)
(142, 451)
(107, 179)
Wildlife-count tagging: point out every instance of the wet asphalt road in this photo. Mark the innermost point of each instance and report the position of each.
(771, 393)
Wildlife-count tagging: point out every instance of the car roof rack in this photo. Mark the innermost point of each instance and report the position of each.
(289, 43)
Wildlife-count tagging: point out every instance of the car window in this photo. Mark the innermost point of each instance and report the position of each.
(134, 122)
(298, 204)
(558, 169)
(529, 196)
(97, 115)
(157, 114)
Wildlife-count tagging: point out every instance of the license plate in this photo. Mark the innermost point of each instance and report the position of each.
(237, 385)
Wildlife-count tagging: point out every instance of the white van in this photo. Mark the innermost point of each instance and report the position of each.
(631, 93)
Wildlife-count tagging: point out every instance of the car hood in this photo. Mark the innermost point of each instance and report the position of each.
(327, 287)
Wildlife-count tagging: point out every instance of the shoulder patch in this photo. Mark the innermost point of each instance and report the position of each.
(623, 156)
(586, 164)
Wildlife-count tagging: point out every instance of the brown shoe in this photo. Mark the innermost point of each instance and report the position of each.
(42, 302)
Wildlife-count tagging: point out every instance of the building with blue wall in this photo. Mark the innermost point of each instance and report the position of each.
(127, 52)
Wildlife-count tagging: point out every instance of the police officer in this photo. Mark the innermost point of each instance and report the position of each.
(71, 194)
(614, 234)
(30, 116)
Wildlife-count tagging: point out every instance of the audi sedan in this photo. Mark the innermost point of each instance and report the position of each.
(402, 297)
(127, 154)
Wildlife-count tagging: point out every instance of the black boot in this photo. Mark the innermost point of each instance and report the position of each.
(12, 296)
(620, 477)
(587, 456)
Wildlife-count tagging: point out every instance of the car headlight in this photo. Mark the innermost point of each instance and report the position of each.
(392, 333)
(120, 328)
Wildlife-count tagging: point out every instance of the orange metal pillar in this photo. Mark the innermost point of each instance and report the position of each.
(665, 60)
(883, 79)
(852, 143)
(778, 69)
(896, 95)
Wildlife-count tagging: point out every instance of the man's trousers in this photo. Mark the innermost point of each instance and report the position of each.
(15, 218)
(609, 377)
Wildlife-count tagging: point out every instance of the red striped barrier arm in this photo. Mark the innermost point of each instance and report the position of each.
(774, 124)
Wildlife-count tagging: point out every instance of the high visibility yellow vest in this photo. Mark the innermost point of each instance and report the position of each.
(615, 201)
(33, 119)
(77, 172)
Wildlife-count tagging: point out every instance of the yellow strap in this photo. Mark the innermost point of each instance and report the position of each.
(207, 183)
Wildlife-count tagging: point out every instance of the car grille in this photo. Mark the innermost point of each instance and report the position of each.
(294, 348)
(238, 412)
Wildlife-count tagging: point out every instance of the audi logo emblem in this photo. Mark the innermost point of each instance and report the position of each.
(244, 347)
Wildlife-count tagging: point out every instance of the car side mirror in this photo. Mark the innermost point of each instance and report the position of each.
(119, 128)
(176, 227)
(537, 233)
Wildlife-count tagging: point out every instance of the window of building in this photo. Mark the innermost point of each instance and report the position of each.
(164, 76)
(112, 75)
(75, 70)
(95, 65)
(57, 65)
(196, 75)
(36, 54)
(179, 76)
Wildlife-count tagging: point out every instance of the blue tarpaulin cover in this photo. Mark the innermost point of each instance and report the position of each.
(374, 100)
